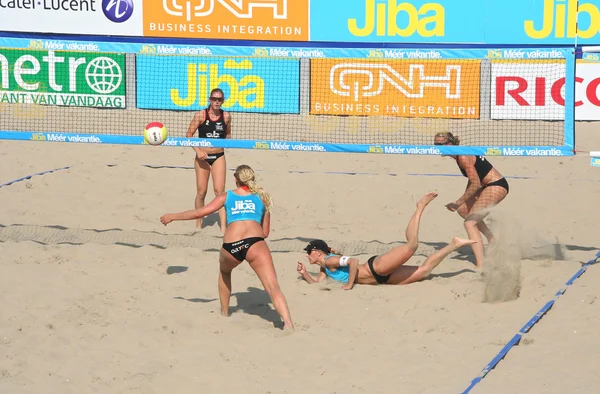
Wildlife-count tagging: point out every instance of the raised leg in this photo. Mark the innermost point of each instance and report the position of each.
(406, 275)
(387, 263)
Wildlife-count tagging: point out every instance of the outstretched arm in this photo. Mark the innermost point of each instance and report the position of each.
(227, 117)
(211, 207)
(266, 224)
(194, 124)
(307, 277)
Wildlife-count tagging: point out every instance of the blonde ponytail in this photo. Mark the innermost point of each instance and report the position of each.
(245, 176)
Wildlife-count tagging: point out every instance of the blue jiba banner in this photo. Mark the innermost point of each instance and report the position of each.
(523, 22)
(249, 84)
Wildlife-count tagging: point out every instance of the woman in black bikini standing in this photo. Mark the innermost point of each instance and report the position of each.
(211, 122)
(486, 188)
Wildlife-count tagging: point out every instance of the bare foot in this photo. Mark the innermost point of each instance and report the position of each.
(460, 242)
(426, 199)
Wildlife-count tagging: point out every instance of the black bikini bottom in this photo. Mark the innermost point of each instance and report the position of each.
(379, 278)
(210, 159)
(500, 182)
(239, 249)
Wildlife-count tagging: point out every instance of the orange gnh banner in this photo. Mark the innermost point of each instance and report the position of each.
(283, 20)
(407, 88)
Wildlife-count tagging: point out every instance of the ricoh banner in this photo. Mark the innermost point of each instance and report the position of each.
(407, 88)
(536, 91)
(523, 22)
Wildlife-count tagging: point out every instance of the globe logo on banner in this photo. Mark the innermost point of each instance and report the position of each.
(103, 75)
(117, 11)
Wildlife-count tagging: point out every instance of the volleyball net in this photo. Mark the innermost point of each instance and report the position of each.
(372, 100)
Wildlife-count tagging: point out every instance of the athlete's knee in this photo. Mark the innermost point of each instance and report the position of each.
(272, 287)
(412, 245)
(470, 224)
(463, 211)
(423, 272)
(225, 268)
(201, 193)
(219, 190)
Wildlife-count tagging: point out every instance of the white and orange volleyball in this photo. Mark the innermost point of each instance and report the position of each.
(155, 133)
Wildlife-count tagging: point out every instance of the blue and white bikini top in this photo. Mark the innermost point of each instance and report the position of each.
(250, 207)
(341, 274)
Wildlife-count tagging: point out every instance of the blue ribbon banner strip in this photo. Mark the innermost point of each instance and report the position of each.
(284, 52)
(294, 145)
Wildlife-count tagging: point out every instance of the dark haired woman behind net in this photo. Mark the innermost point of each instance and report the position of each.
(486, 187)
(248, 224)
(211, 122)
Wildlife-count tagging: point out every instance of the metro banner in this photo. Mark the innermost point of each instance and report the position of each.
(536, 91)
(406, 88)
(63, 78)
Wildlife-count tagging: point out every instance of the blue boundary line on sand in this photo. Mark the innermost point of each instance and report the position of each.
(233, 169)
(32, 175)
(337, 172)
(525, 329)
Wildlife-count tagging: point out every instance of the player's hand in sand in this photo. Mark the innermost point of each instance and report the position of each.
(426, 199)
(166, 219)
(301, 268)
(452, 206)
(348, 286)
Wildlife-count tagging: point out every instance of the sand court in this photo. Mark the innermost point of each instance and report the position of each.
(99, 297)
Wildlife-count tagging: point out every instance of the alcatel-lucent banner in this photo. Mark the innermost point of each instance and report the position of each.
(523, 22)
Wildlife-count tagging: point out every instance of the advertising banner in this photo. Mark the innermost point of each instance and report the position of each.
(407, 88)
(84, 17)
(250, 85)
(277, 20)
(536, 91)
(519, 22)
(522, 22)
(62, 78)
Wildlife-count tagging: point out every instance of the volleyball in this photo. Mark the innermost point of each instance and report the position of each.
(155, 133)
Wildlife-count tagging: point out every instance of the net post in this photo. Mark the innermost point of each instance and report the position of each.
(570, 98)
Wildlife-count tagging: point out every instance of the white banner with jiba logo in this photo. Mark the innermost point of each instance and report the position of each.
(93, 17)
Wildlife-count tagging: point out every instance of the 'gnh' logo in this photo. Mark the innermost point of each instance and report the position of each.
(342, 83)
(240, 8)
(117, 11)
